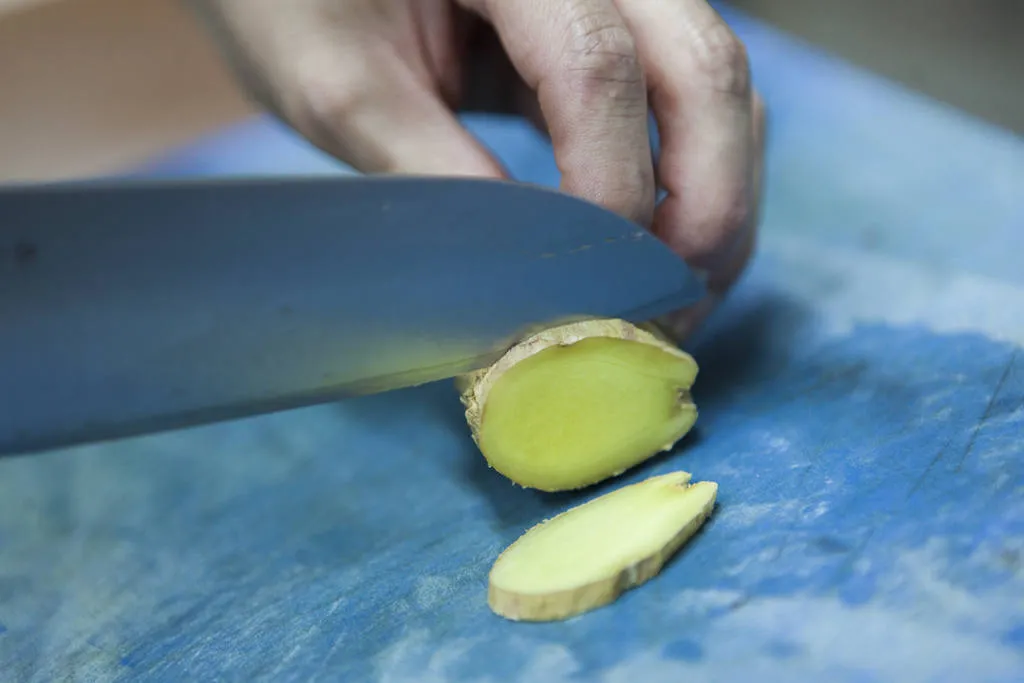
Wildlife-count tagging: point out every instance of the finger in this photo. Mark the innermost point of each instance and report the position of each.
(682, 324)
(336, 73)
(367, 108)
(759, 114)
(723, 278)
(581, 60)
(699, 83)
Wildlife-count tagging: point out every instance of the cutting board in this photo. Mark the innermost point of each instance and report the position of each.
(861, 406)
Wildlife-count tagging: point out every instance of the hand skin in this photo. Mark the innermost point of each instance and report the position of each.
(376, 83)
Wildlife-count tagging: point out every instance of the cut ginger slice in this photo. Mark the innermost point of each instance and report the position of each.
(589, 555)
(575, 404)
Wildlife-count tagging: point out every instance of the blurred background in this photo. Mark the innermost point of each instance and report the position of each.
(95, 86)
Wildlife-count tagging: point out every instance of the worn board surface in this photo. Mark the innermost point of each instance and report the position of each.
(862, 408)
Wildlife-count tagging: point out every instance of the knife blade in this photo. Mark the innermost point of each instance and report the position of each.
(143, 306)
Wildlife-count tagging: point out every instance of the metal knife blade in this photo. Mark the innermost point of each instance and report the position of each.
(131, 307)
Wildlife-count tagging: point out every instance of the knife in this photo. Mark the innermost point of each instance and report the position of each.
(143, 306)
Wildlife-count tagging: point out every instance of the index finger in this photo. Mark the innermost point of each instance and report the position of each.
(580, 57)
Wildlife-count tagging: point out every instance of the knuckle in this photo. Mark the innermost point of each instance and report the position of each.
(722, 60)
(602, 55)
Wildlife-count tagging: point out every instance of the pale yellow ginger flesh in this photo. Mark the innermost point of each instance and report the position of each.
(576, 404)
(589, 555)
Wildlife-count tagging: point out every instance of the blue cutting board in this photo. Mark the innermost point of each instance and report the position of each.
(862, 409)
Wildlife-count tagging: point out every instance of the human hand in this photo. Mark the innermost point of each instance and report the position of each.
(375, 83)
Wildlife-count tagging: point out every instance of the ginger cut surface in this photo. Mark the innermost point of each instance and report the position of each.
(589, 555)
(576, 404)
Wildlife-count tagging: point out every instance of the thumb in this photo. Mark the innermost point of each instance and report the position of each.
(391, 122)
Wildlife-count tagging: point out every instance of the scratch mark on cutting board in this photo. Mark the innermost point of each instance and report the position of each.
(988, 409)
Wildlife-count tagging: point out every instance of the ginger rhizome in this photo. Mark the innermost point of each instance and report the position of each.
(587, 556)
(575, 404)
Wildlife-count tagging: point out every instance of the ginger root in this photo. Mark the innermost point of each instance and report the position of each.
(587, 556)
(575, 404)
